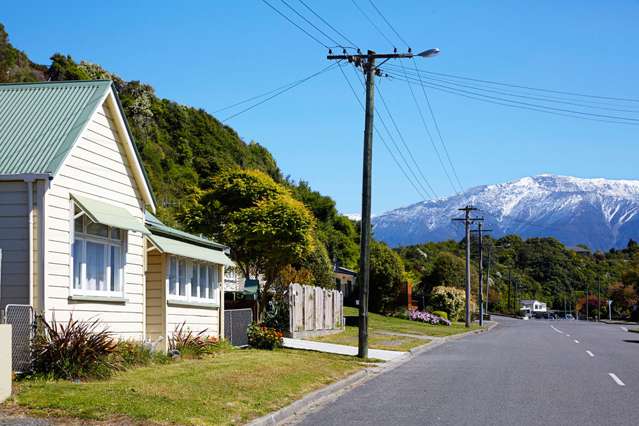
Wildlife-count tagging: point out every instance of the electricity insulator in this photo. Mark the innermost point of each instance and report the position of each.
(330, 51)
(394, 50)
(410, 50)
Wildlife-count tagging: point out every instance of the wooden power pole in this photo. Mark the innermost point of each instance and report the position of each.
(367, 63)
(467, 222)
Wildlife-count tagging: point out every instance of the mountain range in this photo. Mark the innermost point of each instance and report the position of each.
(600, 213)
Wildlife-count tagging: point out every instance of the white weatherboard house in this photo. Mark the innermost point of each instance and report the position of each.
(73, 197)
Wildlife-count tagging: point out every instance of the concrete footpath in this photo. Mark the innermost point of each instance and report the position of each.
(333, 348)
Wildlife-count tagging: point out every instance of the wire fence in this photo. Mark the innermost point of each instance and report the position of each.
(22, 323)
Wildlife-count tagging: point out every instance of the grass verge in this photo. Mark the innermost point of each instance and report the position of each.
(232, 387)
(379, 324)
(375, 340)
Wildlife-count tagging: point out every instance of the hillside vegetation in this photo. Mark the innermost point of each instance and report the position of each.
(183, 148)
(536, 268)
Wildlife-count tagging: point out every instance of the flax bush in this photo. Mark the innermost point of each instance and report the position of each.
(75, 350)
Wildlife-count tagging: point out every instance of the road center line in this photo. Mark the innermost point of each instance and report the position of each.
(557, 330)
(576, 341)
(567, 335)
(624, 328)
(616, 379)
(590, 353)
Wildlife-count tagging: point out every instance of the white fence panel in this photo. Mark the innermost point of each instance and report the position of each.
(313, 310)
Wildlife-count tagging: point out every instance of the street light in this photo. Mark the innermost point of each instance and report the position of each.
(429, 53)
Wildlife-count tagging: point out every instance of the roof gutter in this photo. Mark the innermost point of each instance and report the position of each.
(27, 177)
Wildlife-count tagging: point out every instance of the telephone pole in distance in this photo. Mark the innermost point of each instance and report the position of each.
(467, 222)
(367, 62)
(480, 231)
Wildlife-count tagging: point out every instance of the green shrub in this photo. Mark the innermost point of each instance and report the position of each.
(189, 344)
(130, 353)
(448, 299)
(75, 350)
(401, 313)
(440, 314)
(262, 337)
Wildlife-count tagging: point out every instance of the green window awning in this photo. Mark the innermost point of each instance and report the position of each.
(181, 248)
(108, 214)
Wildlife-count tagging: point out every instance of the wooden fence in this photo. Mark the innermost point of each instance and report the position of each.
(314, 311)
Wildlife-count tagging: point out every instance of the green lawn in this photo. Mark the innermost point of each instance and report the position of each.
(380, 323)
(232, 387)
(375, 340)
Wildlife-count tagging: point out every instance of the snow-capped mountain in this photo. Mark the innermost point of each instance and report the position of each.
(600, 213)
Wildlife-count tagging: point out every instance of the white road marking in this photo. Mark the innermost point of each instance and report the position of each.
(616, 379)
(567, 335)
(576, 341)
(557, 330)
(590, 353)
(624, 328)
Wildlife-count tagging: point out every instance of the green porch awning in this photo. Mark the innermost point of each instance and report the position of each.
(108, 214)
(181, 248)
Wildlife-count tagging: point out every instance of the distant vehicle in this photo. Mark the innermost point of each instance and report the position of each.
(569, 317)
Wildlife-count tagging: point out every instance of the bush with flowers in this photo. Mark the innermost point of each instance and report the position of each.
(262, 337)
(427, 317)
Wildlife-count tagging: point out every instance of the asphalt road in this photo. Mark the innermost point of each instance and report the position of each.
(535, 372)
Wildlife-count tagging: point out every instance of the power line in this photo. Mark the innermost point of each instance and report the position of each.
(429, 194)
(516, 104)
(292, 22)
(439, 133)
(291, 86)
(388, 23)
(311, 24)
(383, 140)
(551, 99)
(612, 117)
(327, 24)
(373, 23)
(401, 137)
(441, 139)
(519, 86)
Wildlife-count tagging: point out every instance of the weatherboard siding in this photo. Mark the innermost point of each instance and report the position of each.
(96, 167)
(14, 237)
(155, 297)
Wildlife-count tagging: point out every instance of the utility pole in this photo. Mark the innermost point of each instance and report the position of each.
(479, 231)
(467, 222)
(587, 311)
(510, 285)
(367, 63)
(490, 250)
(598, 299)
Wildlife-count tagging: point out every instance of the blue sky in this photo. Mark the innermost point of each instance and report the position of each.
(210, 54)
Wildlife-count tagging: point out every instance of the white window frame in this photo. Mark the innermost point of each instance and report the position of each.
(191, 264)
(108, 242)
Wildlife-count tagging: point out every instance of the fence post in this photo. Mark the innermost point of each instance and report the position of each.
(5, 362)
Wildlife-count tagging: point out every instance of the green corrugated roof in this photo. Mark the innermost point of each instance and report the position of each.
(156, 226)
(192, 251)
(40, 122)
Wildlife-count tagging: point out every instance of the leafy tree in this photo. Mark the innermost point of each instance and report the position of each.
(447, 269)
(267, 229)
(64, 68)
(386, 277)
